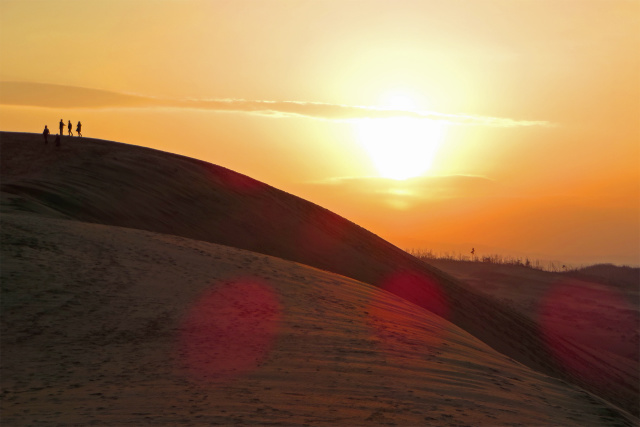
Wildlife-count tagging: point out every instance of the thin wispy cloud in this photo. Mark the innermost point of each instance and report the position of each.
(58, 96)
(443, 186)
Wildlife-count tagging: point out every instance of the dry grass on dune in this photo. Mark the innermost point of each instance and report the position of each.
(104, 325)
(115, 184)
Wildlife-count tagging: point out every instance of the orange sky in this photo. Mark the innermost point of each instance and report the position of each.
(508, 125)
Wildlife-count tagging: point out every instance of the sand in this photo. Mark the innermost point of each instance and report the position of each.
(597, 307)
(104, 322)
(98, 329)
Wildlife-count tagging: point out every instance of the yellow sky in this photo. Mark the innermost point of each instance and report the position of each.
(516, 121)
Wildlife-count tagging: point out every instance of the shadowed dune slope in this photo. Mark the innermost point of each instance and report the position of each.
(598, 310)
(598, 306)
(104, 325)
(117, 184)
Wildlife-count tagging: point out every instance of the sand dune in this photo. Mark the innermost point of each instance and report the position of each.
(116, 326)
(119, 185)
(598, 311)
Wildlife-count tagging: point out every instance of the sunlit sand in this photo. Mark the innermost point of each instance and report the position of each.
(141, 287)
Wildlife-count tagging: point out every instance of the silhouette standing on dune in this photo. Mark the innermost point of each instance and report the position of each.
(79, 128)
(46, 134)
(61, 127)
(70, 127)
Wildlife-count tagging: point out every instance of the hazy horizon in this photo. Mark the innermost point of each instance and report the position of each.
(510, 126)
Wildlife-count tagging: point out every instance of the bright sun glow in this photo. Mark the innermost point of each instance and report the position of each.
(400, 147)
(402, 99)
(399, 101)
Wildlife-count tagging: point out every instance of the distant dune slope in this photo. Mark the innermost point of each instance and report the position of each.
(597, 306)
(117, 184)
(103, 325)
(625, 277)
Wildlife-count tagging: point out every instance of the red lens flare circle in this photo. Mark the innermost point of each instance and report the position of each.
(590, 315)
(398, 332)
(229, 331)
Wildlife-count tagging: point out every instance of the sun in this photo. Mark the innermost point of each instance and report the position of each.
(400, 147)
(402, 98)
(399, 101)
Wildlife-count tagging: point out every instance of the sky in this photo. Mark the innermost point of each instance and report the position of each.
(510, 126)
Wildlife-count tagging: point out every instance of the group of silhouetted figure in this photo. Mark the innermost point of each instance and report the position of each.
(62, 126)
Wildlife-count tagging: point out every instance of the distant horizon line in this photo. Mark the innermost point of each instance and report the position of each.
(492, 256)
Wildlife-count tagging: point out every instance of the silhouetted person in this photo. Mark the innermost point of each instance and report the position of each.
(79, 128)
(473, 251)
(70, 127)
(46, 134)
(57, 140)
(61, 127)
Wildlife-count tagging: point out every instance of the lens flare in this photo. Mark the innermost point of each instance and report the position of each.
(590, 315)
(229, 331)
(420, 290)
(397, 330)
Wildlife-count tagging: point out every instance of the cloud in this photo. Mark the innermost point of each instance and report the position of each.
(422, 198)
(59, 96)
(419, 188)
